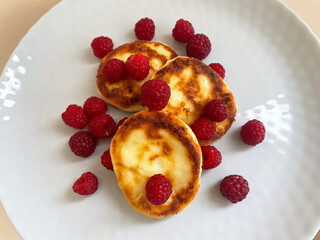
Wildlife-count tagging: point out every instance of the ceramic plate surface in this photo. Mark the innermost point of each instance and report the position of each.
(272, 67)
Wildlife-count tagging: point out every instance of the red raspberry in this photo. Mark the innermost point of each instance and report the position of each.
(101, 46)
(203, 128)
(106, 160)
(158, 189)
(82, 144)
(94, 106)
(253, 132)
(144, 29)
(211, 157)
(86, 184)
(218, 68)
(137, 66)
(215, 110)
(118, 125)
(182, 31)
(155, 94)
(102, 126)
(234, 187)
(114, 70)
(198, 46)
(75, 117)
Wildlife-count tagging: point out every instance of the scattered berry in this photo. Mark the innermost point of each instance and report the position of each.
(75, 117)
(158, 189)
(253, 132)
(114, 70)
(182, 31)
(203, 128)
(144, 29)
(106, 160)
(102, 126)
(155, 94)
(218, 68)
(118, 125)
(211, 157)
(101, 46)
(198, 46)
(86, 184)
(137, 66)
(82, 144)
(234, 187)
(94, 106)
(215, 110)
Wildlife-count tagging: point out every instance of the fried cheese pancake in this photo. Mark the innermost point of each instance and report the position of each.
(125, 94)
(193, 84)
(152, 142)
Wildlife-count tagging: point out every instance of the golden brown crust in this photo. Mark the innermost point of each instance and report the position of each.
(152, 123)
(125, 94)
(186, 75)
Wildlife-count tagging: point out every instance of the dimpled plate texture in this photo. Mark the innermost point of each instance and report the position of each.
(272, 67)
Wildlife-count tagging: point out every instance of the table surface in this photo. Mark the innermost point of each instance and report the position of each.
(13, 28)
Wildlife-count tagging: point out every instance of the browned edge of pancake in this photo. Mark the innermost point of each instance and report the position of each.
(162, 120)
(129, 93)
(198, 67)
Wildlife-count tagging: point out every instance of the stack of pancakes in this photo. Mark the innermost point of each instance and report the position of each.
(152, 142)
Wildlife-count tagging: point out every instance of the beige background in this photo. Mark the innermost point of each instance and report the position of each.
(17, 16)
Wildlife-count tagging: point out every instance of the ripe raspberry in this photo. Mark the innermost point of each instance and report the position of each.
(211, 157)
(215, 110)
(158, 189)
(106, 160)
(102, 126)
(234, 187)
(75, 117)
(203, 128)
(253, 132)
(101, 46)
(114, 70)
(182, 31)
(86, 184)
(144, 29)
(118, 125)
(94, 106)
(137, 66)
(198, 46)
(218, 68)
(82, 144)
(155, 94)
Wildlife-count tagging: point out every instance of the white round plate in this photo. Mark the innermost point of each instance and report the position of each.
(272, 67)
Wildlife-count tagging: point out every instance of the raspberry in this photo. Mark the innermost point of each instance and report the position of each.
(211, 157)
(158, 189)
(155, 94)
(253, 132)
(106, 160)
(203, 128)
(86, 184)
(94, 106)
(218, 68)
(118, 125)
(182, 31)
(75, 117)
(114, 70)
(198, 46)
(101, 46)
(215, 110)
(144, 29)
(82, 144)
(102, 126)
(234, 187)
(137, 66)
